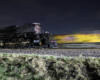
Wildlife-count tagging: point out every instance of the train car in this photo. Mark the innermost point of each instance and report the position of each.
(26, 36)
(88, 39)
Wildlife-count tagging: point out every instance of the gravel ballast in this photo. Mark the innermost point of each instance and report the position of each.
(56, 52)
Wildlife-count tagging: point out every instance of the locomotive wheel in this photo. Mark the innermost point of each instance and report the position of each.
(20, 46)
(16, 46)
(49, 47)
(29, 45)
(46, 46)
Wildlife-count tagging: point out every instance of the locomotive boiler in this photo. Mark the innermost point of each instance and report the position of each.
(26, 36)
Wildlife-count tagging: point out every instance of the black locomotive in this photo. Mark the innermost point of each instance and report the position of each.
(26, 36)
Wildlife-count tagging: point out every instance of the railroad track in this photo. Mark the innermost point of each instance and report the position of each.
(58, 53)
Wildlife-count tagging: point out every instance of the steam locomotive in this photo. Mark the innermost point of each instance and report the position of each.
(29, 35)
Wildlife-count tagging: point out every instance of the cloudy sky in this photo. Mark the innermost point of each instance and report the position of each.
(56, 16)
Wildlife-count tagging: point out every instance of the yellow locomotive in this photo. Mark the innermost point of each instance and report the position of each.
(89, 39)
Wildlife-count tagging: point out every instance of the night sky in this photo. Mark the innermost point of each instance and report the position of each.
(56, 16)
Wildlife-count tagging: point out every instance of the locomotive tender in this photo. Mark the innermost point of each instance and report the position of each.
(26, 36)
